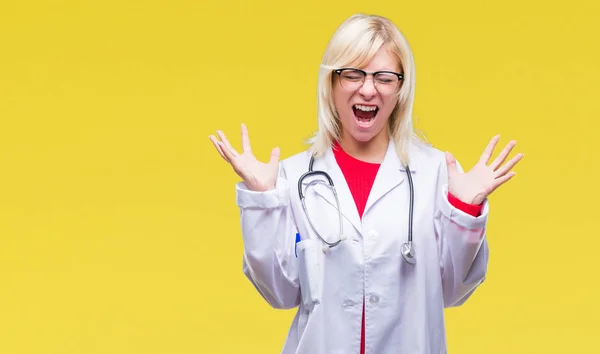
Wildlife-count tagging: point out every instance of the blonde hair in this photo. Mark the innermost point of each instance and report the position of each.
(354, 44)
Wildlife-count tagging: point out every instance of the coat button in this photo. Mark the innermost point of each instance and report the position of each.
(374, 299)
(348, 303)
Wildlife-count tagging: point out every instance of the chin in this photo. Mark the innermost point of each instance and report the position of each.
(364, 137)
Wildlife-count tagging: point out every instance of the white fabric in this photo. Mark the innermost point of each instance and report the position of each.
(404, 303)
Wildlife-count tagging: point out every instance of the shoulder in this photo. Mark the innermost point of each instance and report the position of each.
(431, 160)
(297, 158)
(426, 156)
(296, 164)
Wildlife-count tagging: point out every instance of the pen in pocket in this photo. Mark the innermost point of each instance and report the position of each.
(298, 239)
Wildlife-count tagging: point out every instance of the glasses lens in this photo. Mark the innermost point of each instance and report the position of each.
(351, 79)
(386, 82)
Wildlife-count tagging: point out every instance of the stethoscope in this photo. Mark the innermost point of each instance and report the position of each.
(407, 249)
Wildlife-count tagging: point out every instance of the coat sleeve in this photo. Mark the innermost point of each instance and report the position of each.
(269, 235)
(462, 245)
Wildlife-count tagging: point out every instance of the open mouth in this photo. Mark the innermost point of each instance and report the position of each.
(365, 114)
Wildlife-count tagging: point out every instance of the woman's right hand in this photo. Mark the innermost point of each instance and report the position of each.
(257, 176)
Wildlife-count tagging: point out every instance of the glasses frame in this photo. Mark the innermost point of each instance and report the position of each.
(341, 70)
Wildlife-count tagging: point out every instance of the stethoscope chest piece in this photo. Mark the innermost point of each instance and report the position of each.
(408, 253)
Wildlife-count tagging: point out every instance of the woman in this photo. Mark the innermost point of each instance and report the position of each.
(365, 288)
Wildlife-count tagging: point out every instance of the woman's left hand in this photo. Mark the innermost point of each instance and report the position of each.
(476, 185)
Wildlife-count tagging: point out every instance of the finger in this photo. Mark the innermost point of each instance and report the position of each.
(218, 147)
(228, 154)
(503, 154)
(245, 139)
(509, 165)
(501, 180)
(274, 156)
(227, 145)
(451, 164)
(489, 150)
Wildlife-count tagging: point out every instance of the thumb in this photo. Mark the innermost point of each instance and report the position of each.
(274, 156)
(451, 164)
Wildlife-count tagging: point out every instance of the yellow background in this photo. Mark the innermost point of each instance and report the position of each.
(119, 231)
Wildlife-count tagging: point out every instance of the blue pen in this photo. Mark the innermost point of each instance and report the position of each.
(298, 239)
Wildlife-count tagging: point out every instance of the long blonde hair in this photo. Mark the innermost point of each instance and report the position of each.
(354, 44)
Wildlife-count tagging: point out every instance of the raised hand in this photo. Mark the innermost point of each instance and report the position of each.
(257, 176)
(477, 184)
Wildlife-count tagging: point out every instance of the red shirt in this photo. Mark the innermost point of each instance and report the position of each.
(360, 176)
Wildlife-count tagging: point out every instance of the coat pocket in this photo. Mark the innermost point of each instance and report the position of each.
(308, 271)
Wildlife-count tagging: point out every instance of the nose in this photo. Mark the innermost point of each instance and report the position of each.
(368, 89)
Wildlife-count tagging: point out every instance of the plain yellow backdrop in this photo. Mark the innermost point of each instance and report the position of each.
(119, 231)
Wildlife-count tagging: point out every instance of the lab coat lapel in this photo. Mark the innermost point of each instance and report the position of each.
(347, 204)
(390, 175)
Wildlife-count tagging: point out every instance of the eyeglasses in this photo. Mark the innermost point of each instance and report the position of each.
(386, 82)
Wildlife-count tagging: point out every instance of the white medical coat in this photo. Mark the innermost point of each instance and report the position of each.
(404, 303)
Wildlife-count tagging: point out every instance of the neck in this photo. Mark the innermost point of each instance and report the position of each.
(372, 151)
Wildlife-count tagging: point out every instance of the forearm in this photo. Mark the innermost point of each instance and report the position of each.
(268, 231)
(463, 249)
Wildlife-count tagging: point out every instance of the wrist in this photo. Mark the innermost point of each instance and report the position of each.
(472, 207)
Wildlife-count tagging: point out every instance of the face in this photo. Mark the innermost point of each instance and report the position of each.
(355, 107)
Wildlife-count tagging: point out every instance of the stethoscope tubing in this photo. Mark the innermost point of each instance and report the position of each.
(331, 185)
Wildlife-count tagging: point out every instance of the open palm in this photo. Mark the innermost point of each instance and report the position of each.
(257, 176)
(477, 184)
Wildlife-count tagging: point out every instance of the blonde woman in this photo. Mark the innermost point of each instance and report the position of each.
(385, 231)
